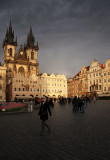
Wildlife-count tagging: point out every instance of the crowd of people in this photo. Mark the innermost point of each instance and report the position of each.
(46, 103)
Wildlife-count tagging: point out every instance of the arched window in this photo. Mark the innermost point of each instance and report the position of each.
(21, 70)
(10, 52)
(32, 55)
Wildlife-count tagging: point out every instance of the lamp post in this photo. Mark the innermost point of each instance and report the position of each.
(40, 87)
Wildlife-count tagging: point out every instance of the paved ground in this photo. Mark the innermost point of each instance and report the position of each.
(81, 136)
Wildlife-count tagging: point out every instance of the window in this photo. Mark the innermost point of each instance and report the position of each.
(104, 80)
(104, 88)
(0, 76)
(32, 55)
(96, 74)
(104, 74)
(23, 89)
(108, 73)
(14, 89)
(19, 89)
(0, 86)
(99, 87)
(10, 52)
(99, 80)
(37, 89)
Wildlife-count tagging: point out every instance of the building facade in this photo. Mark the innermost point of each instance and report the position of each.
(73, 86)
(22, 64)
(21, 70)
(83, 81)
(2, 83)
(53, 86)
(95, 78)
(106, 78)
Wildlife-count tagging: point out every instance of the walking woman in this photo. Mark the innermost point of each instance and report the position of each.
(43, 112)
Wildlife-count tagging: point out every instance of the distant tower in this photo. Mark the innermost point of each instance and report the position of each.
(9, 45)
(31, 52)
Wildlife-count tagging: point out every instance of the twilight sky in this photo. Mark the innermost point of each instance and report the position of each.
(71, 33)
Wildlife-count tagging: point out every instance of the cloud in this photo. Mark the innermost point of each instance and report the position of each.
(70, 32)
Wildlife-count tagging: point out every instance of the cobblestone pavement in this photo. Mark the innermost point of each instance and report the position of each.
(74, 136)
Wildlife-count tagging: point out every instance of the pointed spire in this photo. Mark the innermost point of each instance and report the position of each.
(9, 37)
(10, 27)
(30, 39)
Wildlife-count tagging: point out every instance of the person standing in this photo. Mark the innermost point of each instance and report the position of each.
(75, 104)
(43, 112)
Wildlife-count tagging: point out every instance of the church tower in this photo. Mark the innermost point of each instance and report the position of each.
(31, 51)
(9, 51)
(9, 45)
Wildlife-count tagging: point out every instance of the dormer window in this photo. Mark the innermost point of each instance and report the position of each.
(32, 55)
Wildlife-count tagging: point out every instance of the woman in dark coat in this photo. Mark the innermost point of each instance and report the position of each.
(43, 112)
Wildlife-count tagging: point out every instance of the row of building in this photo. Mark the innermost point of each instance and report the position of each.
(93, 80)
(20, 74)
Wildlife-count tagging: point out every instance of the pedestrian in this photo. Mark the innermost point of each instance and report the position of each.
(43, 112)
(75, 104)
(83, 105)
(94, 99)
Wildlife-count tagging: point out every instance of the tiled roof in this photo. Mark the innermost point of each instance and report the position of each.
(87, 67)
(102, 65)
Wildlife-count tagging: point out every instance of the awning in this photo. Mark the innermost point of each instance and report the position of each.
(104, 95)
(24, 97)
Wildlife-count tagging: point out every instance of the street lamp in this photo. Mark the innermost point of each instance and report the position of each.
(40, 87)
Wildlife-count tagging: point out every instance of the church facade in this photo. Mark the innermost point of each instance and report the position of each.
(22, 67)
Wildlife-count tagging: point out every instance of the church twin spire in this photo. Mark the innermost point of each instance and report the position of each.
(9, 39)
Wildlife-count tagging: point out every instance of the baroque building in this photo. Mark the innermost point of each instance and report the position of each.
(95, 78)
(106, 78)
(53, 86)
(83, 81)
(73, 86)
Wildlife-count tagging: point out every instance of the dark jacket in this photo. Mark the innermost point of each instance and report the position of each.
(43, 112)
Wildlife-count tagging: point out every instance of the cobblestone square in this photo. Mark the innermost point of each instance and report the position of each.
(74, 136)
